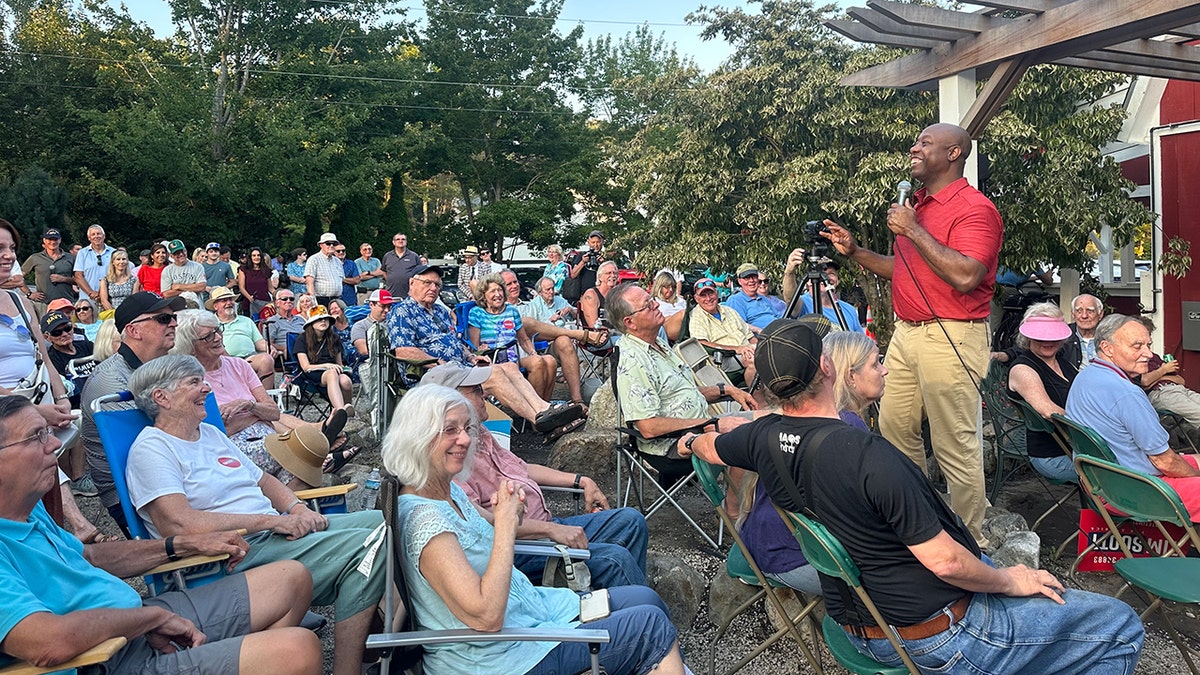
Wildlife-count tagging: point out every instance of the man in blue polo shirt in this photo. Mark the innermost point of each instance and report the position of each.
(91, 263)
(753, 307)
(59, 597)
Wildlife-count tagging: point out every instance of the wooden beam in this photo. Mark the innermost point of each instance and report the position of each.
(1158, 49)
(924, 16)
(1167, 73)
(1190, 31)
(1118, 60)
(882, 23)
(860, 33)
(1061, 32)
(1002, 82)
(1028, 6)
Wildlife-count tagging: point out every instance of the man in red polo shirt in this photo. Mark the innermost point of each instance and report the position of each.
(942, 275)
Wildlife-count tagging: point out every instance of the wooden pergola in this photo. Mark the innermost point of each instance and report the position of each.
(1005, 38)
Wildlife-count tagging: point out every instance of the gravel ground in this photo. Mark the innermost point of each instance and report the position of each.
(670, 534)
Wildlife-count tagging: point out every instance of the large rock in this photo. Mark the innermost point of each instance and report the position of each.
(1020, 548)
(602, 415)
(999, 524)
(589, 452)
(680, 586)
(794, 602)
(725, 595)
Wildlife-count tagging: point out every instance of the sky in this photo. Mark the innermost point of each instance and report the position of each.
(616, 17)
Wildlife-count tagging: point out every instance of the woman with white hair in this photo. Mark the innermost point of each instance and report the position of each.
(1041, 376)
(557, 268)
(458, 560)
(248, 411)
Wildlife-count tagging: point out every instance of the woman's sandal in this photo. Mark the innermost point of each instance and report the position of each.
(556, 416)
(565, 429)
(336, 459)
(333, 426)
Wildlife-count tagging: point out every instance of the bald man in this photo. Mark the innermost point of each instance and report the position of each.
(943, 272)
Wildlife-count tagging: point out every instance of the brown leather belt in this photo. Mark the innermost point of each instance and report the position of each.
(918, 324)
(919, 631)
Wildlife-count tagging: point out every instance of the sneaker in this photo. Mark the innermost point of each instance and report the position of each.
(84, 487)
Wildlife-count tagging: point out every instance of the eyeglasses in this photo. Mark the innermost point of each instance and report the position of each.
(456, 431)
(329, 243)
(214, 337)
(58, 332)
(160, 319)
(41, 436)
(649, 303)
(435, 284)
(84, 308)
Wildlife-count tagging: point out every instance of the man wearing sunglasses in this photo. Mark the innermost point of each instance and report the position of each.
(146, 323)
(324, 271)
(285, 321)
(64, 348)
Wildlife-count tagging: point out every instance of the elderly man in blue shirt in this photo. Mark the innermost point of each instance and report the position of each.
(754, 308)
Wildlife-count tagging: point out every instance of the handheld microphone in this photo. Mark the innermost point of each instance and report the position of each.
(903, 190)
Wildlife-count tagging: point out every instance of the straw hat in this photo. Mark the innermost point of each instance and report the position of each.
(301, 451)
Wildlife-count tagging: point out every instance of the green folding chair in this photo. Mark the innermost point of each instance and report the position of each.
(1035, 422)
(1180, 430)
(827, 554)
(1150, 499)
(740, 565)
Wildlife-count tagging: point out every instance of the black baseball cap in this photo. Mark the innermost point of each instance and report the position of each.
(144, 303)
(53, 320)
(52, 233)
(788, 355)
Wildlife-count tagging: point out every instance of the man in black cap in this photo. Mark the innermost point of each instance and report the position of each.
(65, 349)
(919, 562)
(146, 323)
(52, 271)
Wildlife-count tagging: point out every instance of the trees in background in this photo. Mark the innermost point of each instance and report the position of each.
(269, 121)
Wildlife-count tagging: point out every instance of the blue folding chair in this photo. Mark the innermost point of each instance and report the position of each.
(118, 429)
(305, 392)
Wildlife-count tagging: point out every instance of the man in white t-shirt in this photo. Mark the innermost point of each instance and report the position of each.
(183, 277)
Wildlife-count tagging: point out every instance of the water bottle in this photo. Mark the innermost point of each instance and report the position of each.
(370, 491)
(599, 319)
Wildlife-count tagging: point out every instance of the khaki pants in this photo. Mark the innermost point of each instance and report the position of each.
(926, 380)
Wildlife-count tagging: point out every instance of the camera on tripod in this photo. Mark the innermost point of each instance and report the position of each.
(818, 245)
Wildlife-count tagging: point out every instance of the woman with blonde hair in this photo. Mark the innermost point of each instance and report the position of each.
(87, 318)
(860, 374)
(108, 340)
(118, 284)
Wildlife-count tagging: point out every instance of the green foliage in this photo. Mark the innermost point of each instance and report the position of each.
(1176, 261)
(33, 203)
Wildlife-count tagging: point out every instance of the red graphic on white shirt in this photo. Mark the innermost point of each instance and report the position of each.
(229, 462)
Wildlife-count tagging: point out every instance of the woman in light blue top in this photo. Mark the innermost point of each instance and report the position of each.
(556, 269)
(458, 561)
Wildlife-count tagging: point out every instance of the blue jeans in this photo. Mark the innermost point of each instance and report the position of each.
(640, 635)
(1055, 468)
(803, 578)
(1091, 633)
(617, 540)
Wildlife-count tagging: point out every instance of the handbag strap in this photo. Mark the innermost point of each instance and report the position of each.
(802, 500)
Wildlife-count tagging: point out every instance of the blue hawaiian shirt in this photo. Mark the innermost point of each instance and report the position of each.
(430, 330)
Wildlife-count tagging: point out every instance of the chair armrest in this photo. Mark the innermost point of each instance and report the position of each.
(461, 636)
(545, 547)
(327, 491)
(555, 488)
(184, 563)
(98, 654)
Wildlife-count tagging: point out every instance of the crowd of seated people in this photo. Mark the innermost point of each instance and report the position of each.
(195, 485)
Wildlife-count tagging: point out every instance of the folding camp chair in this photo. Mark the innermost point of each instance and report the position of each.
(300, 388)
(826, 553)
(740, 565)
(395, 376)
(118, 429)
(706, 373)
(403, 645)
(667, 477)
(1008, 426)
(1179, 429)
(1148, 498)
(718, 357)
(98, 654)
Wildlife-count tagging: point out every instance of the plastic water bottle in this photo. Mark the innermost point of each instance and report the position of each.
(371, 491)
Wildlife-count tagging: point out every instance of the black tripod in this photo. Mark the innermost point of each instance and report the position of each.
(814, 276)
